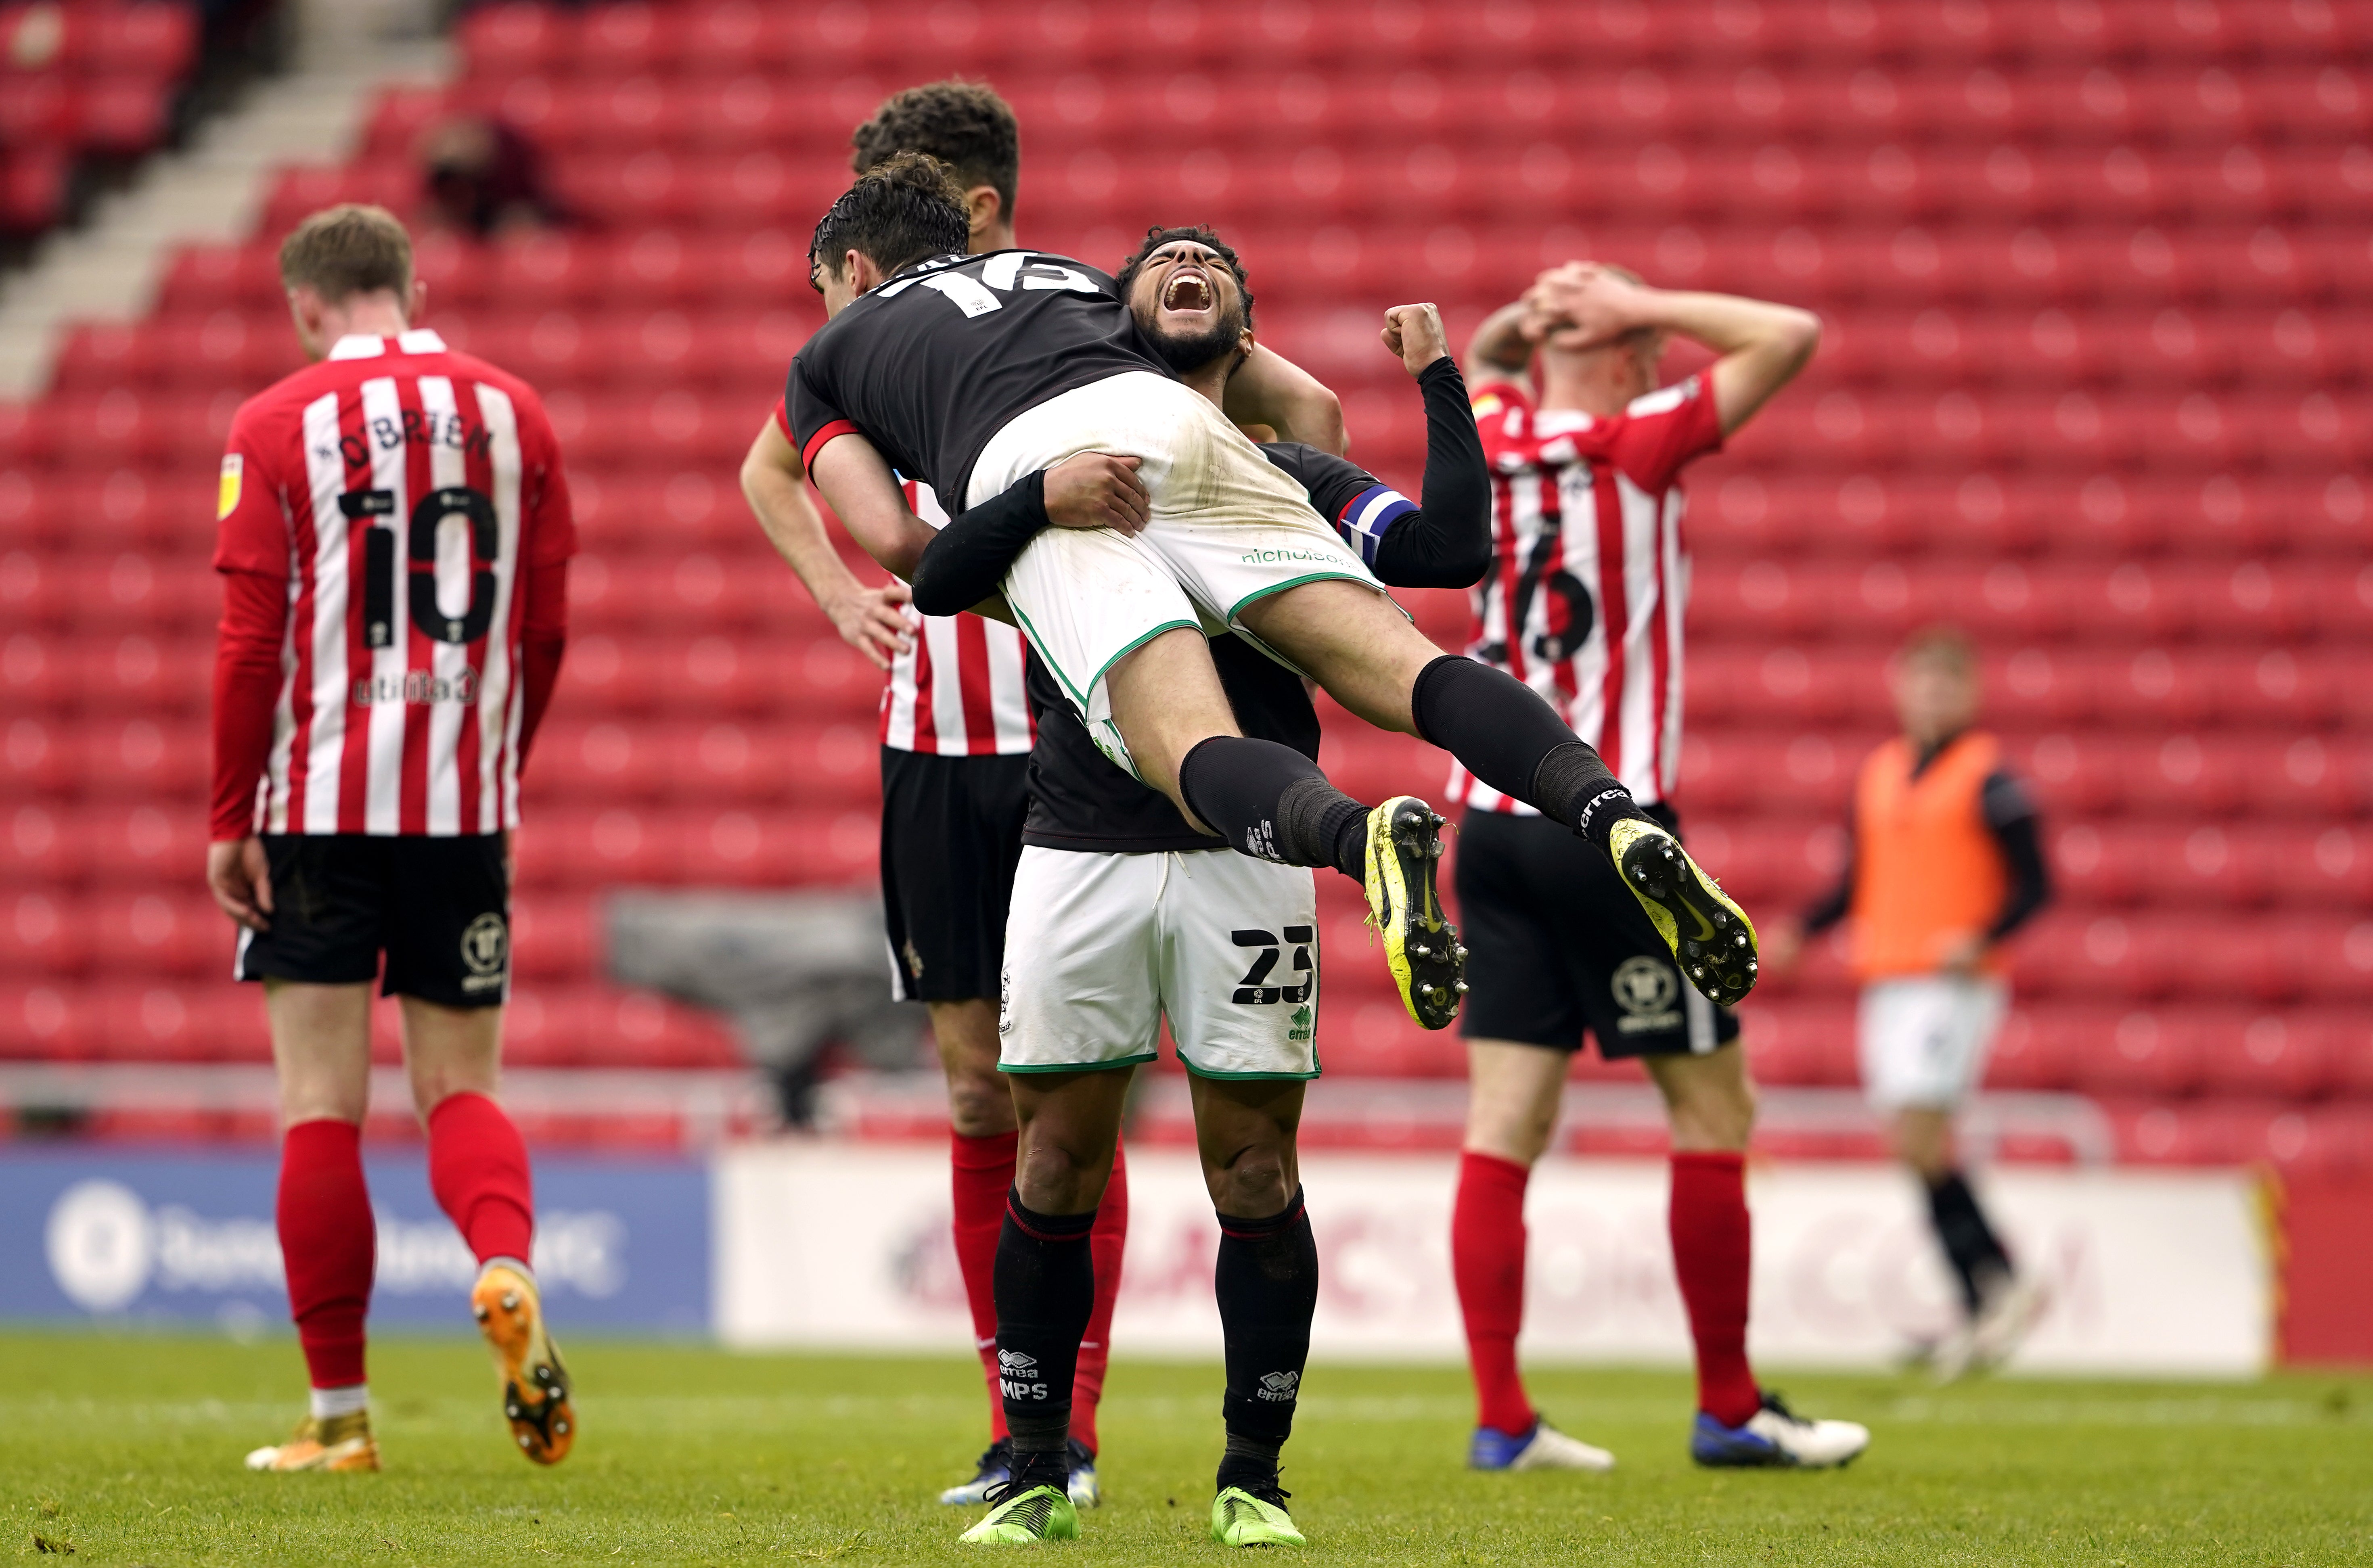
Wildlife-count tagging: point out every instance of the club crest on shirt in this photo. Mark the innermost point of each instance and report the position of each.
(234, 469)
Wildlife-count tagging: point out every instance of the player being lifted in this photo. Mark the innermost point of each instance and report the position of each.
(394, 539)
(955, 729)
(979, 371)
(1123, 914)
(1585, 605)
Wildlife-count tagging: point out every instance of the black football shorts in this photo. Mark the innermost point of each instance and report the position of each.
(439, 908)
(950, 840)
(1557, 945)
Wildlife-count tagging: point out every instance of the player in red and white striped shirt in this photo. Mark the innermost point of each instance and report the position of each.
(394, 535)
(1585, 605)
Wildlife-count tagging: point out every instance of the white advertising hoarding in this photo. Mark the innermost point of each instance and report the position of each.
(2150, 1271)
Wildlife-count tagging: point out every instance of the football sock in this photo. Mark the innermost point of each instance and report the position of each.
(1975, 1252)
(1503, 732)
(1046, 1292)
(477, 1168)
(1106, 1245)
(1487, 1263)
(328, 1244)
(328, 1404)
(1271, 802)
(1267, 1281)
(981, 1173)
(1249, 1462)
(1713, 1248)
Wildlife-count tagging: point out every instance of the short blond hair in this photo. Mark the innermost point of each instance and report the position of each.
(347, 250)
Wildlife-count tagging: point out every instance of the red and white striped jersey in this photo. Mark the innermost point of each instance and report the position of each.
(402, 492)
(957, 689)
(1589, 582)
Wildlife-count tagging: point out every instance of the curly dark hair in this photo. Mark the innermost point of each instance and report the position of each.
(964, 124)
(906, 208)
(1202, 234)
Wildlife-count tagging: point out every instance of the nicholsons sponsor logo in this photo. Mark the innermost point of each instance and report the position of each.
(417, 686)
(1270, 557)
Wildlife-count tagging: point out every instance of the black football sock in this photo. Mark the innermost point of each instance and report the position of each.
(1271, 802)
(1503, 732)
(1267, 1281)
(1045, 1282)
(1970, 1244)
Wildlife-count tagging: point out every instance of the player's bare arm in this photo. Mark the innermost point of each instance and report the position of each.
(1762, 344)
(776, 486)
(1268, 388)
(1502, 346)
(863, 492)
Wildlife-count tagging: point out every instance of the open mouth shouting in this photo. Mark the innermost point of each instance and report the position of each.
(1190, 291)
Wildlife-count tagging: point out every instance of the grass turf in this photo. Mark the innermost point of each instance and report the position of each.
(126, 1449)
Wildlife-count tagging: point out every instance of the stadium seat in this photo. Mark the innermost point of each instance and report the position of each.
(2092, 387)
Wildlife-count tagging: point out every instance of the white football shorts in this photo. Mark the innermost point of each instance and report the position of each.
(1924, 1039)
(1227, 528)
(1099, 949)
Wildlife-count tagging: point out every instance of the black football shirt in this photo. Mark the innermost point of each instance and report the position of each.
(938, 359)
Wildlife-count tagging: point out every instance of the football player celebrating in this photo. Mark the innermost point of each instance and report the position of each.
(394, 539)
(1583, 603)
(955, 731)
(981, 370)
(1123, 914)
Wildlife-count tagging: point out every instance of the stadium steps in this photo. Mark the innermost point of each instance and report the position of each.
(109, 269)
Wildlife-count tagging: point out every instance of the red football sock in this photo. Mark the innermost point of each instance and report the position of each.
(477, 1168)
(982, 1172)
(1713, 1247)
(328, 1244)
(1106, 1244)
(1487, 1261)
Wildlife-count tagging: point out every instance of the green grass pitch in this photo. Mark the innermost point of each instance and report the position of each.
(125, 1448)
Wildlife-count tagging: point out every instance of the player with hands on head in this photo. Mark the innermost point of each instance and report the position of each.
(1125, 914)
(1585, 605)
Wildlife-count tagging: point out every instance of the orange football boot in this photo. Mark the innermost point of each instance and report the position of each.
(535, 1383)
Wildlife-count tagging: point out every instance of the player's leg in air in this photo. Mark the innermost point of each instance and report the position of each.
(478, 1171)
(1300, 591)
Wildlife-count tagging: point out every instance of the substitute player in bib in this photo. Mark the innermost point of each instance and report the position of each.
(1585, 603)
(982, 371)
(394, 539)
(1947, 862)
(1125, 914)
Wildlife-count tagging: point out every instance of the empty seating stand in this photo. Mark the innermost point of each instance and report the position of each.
(82, 80)
(2093, 385)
